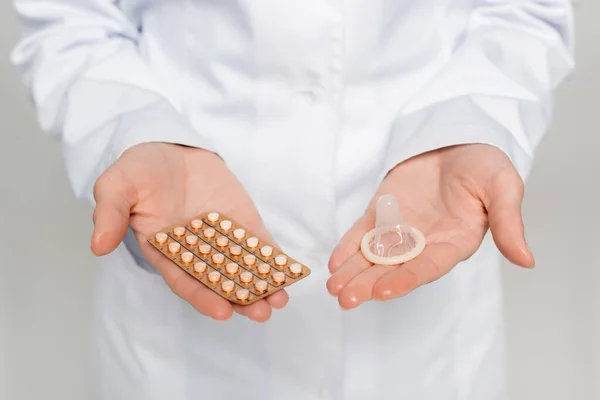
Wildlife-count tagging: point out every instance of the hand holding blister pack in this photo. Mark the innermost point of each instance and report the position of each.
(392, 241)
(227, 258)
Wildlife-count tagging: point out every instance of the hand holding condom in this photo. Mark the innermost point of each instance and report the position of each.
(430, 213)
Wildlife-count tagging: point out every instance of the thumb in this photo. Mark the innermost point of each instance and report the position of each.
(502, 199)
(114, 199)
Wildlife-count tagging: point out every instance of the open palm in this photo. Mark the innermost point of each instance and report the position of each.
(453, 195)
(157, 184)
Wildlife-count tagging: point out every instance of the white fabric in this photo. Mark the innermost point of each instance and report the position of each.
(326, 97)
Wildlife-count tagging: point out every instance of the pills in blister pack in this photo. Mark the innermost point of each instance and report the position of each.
(296, 268)
(281, 260)
(187, 257)
(214, 276)
(204, 249)
(191, 240)
(279, 277)
(261, 286)
(264, 269)
(196, 224)
(200, 267)
(228, 286)
(249, 260)
(235, 251)
(174, 247)
(252, 242)
(232, 268)
(222, 241)
(161, 238)
(226, 225)
(209, 233)
(227, 258)
(266, 251)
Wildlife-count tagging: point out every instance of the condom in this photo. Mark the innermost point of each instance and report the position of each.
(392, 241)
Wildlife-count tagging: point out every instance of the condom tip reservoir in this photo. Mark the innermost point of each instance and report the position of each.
(392, 241)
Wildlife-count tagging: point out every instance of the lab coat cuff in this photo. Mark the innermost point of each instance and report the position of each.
(452, 130)
(160, 122)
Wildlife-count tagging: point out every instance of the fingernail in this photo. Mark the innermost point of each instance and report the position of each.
(532, 266)
(348, 304)
(529, 256)
(97, 236)
(222, 315)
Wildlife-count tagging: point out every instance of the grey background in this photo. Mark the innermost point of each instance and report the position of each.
(46, 269)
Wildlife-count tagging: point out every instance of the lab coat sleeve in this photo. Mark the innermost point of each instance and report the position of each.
(92, 89)
(497, 85)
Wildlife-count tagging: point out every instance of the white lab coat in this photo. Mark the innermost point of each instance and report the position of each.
(323, 97)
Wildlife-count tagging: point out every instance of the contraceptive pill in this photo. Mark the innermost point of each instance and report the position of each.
(214, 276)
(174, 247)
(296, 268)
(227, 258)
(281, 260)
(209, 233)
(187, 257)
(246, 277)
(213, 217)
(252, 242)
(239, 233)
(161, 238)
(196, 224)
(261, 286)
(200, 267)
(279, 277)
(226, 225)
(249, 259)
(232, 268)
(191, 240)
(264, 269)
(204, 249)
(218, 258)
(228, 286)
(266, 251)
(242, 294)
(222, 241)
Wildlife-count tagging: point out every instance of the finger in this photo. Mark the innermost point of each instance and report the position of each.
(204, 300)
(436, 261)
(503, 199)
(259, 311)
(360, 289)
(279, 299)
(348, 271)
(114, 200)
(350, 243)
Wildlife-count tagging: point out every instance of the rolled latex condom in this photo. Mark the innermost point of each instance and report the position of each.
(392, 241)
